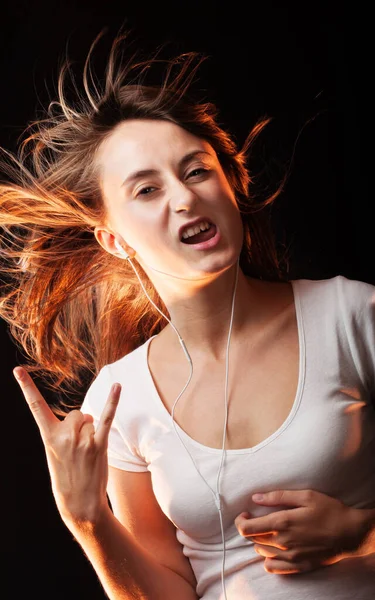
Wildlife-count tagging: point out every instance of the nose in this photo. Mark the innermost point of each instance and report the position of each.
(183, 198)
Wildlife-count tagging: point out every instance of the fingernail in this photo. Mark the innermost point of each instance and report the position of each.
(116, 387)
(258, 497)
(18, 373)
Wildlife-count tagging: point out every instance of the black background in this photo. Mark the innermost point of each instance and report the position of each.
(284, 59)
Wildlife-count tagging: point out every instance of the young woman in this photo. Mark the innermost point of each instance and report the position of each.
(134, 249)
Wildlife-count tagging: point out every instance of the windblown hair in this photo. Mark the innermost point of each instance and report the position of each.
(71, 306)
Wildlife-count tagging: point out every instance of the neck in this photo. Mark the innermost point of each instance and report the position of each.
(202, 316)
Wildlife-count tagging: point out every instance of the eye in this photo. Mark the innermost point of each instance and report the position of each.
(198, 171)
(146, 191)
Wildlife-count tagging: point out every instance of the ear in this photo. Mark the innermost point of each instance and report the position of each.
(106, 238)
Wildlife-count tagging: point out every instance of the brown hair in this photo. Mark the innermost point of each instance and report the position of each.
(65, 298)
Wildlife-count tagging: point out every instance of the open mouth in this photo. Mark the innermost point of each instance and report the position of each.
(207, 231)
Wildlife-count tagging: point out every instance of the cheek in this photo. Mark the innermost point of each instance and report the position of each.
(144, 231)
(232, 209)
(133, 223)
(223, 190)
(237, 223)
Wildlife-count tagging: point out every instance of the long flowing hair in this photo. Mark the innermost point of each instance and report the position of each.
(71, 306)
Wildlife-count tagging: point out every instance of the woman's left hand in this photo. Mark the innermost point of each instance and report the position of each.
(317, 530)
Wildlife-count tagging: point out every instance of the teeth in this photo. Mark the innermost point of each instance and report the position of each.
(196, 229)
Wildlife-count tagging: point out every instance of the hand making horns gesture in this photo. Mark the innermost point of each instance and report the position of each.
(76, 453)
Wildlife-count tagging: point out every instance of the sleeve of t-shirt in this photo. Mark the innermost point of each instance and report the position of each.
(359, 298)
(122, 452)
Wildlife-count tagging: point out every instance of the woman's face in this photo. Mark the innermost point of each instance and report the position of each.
(156, 178)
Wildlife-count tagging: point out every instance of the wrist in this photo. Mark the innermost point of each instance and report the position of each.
(89, 520)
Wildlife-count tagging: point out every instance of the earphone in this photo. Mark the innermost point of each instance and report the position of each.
(121, 249)
(216, 494)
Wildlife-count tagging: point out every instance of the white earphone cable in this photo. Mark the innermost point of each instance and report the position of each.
(216, 494)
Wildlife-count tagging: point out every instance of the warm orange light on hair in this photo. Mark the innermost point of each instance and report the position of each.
(71, 306)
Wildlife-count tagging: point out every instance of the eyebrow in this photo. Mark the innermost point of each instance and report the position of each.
(146, 172)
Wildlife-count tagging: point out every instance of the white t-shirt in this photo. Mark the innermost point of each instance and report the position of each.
(327, 443)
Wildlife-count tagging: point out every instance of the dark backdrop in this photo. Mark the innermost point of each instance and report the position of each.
(287, 60)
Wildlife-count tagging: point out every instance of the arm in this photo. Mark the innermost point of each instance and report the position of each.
(78, 466)
(365, 525)
(126, 570)
(134, 550)
(135, 506)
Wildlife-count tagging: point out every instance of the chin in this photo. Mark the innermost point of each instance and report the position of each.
(217, 265)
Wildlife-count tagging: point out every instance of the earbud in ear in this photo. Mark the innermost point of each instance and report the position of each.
(121, 249)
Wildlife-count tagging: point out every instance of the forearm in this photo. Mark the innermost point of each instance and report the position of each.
(362, 526)
(367, 521)
(125, 569)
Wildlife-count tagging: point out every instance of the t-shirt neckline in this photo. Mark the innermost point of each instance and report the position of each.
(289, 418)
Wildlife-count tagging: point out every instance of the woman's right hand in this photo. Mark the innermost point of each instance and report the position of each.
(76, 453)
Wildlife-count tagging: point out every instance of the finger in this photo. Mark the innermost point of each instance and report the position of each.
(40, 410)
(313, 553)
(288, 498)
(267, 552)
(87, 430)
(76, 419)
(267, 540)
(87, 418)
(265, 525)
(108, 414)
(280, 567)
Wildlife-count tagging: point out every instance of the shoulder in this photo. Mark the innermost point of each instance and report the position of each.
(345, 293)
(129, 370)
(132, 364)
(346, 307)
